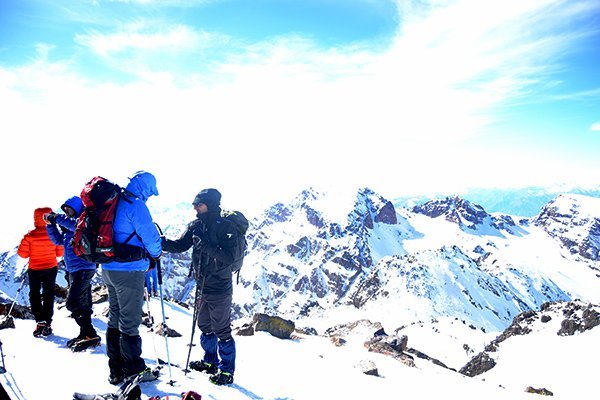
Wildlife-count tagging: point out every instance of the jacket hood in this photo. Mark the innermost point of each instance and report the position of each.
(75, 203)
(143, 185)
(38, 216)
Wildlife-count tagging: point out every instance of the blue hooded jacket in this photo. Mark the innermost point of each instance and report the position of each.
(132, 215)
(72, 262)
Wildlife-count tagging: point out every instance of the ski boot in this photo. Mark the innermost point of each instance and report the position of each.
(221, 378)
(39, 329)
(86, 343)
(203, 366)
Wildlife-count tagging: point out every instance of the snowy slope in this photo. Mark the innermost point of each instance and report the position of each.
(448, 275)
(306, 367)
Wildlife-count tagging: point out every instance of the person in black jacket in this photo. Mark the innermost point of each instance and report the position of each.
(216, 244)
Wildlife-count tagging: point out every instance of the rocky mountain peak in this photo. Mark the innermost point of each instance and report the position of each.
(454, 209)
(574, 220)
(374, 208)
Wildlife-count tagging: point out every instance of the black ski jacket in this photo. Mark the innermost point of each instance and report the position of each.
(215, 242)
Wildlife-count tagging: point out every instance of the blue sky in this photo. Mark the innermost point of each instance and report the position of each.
(264, 98)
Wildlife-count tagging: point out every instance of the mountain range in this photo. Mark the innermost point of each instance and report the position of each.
(365, 256)
(523, 201)
(453, 278)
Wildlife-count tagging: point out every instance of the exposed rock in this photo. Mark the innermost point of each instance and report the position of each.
(366, 290)
(7, 323)
(338, 341)
(518, 327)
(362, 325)
(424, 356)
(542, 391)
(244, 330)
(545, 318)
(309, 331)
(578, 319)
(278, 213)
(310, 305)
(368, 367)
(454, 209)
(276, 326)
(301, 249)
(565, 212)
(478, 365)
(18, 311)
(60, 292)
(387, 214)
(314, 217)
(395, 347)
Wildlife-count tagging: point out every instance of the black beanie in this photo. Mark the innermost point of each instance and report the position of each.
(210, 197)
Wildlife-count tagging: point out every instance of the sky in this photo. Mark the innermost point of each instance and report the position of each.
(263, 99)
(308, 367)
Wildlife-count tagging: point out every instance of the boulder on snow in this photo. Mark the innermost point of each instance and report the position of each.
(7, 322)
(17, 311)
(368, 367)
(60, 292)
(244, 330)
(276, 326)
(542, 391)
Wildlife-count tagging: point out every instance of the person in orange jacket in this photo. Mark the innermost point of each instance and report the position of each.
(43, 267)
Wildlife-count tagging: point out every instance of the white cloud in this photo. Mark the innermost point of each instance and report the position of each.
(595, 127)
(273, 117)
(140, 37)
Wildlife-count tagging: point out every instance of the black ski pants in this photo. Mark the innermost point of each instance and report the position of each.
(79, 300)
(41, 293)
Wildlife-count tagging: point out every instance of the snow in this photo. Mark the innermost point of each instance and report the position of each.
(306, 367)
(425, 280)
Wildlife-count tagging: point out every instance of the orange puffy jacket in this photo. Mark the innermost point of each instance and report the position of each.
(36, 244)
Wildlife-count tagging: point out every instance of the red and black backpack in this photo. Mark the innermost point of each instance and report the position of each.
(93, 237)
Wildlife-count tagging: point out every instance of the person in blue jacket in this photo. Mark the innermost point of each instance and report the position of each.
(80, 272)
(125, 280)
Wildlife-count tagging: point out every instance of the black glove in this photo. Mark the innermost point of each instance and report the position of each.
(154, 262)
(50, 218)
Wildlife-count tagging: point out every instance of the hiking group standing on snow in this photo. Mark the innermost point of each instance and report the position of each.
(112, 228)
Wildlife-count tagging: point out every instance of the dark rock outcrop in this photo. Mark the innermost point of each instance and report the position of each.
(479, 364)
(276, 326)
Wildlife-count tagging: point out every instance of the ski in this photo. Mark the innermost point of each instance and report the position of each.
(129, 390)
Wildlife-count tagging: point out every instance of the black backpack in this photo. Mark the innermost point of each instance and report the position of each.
(242, 224)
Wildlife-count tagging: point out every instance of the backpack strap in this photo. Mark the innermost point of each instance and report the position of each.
(129, 237)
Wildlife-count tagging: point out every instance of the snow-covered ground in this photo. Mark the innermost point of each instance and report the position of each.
(307, 367)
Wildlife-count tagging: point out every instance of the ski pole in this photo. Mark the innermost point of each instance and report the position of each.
(17, 294)
(3, 368)
(197, 307)
(151, 320)
(162, 306)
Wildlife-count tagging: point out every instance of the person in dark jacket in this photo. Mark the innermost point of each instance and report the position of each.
(215, 242)
(80, 273)
(42, 269)
(125, 280)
